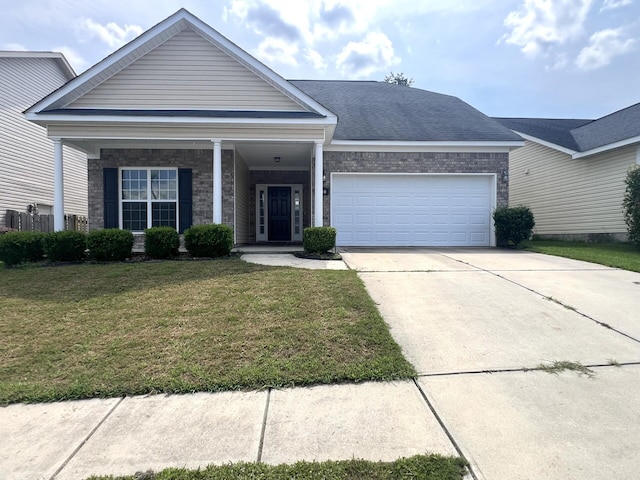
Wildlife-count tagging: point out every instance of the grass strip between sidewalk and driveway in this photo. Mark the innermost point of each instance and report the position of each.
(424, 467)
(618, 255)
(104, 330)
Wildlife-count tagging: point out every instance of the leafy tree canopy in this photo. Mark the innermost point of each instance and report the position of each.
(399, 79)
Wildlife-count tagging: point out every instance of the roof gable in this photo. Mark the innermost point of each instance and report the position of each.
(187, 72)
(379, 111)
(610, 129)
(556, 131)
(90, 89)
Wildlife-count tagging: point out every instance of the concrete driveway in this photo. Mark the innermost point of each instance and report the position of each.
(475, 321)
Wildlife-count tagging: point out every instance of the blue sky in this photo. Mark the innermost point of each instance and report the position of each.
(537, 58)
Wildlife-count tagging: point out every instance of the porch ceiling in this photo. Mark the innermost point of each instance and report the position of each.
(260, 156)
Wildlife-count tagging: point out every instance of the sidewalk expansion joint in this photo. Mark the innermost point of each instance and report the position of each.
(546, 297)
(444, 428)
(264, 426)
(521, 369)
(86, 439)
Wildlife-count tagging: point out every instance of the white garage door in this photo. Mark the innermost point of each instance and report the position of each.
(412, 210)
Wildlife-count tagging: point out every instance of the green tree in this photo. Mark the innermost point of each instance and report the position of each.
(631, 204)
(398, 79)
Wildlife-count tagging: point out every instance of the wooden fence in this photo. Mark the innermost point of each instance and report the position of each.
(27, 222)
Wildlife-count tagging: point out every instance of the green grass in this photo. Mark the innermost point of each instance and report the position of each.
(424, 467)
(561, 366)
(619, 255)
(94, 330)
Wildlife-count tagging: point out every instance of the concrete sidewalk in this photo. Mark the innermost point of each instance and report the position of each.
(73, 440)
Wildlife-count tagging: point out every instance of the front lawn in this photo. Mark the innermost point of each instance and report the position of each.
(96, 330)
(618, 255)
(424, 467)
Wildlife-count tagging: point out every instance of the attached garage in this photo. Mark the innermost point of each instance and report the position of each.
(413, 209)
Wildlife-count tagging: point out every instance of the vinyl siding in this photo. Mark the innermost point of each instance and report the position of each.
(570, 196)
(187, 72)
(26, 154)
(186, 132)
(241, 192)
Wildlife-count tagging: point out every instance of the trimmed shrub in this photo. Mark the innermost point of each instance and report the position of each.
(65, 246)
(214, 240)
(631, 204)
(110, 244)
(513, 225)
(319, 239)
(21, 247)
(161, 242)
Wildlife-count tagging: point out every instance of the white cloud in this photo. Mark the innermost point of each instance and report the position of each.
(361, 59)
(603, 46)
(14, 47)
(613, 4)
(540, 25)
(315, 59)
(111, 34)
(76, 60)
(275, 50)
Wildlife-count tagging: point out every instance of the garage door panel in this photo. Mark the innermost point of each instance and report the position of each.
(412, 210)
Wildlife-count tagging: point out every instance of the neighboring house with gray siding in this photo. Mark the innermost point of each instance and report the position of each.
(26, 152)
(183, 127)
(571, 173)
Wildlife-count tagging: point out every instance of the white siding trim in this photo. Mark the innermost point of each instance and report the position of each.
(605, 148)
(434, 146)
(545, 143)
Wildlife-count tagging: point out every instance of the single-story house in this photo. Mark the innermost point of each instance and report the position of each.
(571, 173)
(183, 127)
(26, 153)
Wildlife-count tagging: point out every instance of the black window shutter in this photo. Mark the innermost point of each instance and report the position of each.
(110, 179)
(185, 200)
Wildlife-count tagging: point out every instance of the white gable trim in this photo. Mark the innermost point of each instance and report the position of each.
(605, 148)
(431, 146)
(44, 119)
(546, 144)
(157, 35)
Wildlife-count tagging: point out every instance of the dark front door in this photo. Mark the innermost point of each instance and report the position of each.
(279, 199)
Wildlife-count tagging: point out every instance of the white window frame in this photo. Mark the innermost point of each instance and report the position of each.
(265, 187)
(149, 200)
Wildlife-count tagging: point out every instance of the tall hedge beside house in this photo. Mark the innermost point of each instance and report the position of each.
(631, 204)
(513, 225)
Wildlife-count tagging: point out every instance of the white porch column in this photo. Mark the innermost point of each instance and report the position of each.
(217, 181)
(319, 169)
(58, 186)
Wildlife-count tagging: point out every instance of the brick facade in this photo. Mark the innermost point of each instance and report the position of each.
(200, 162)
(397, 162)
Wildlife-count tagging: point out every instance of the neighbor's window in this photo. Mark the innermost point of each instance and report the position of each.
(149, 198)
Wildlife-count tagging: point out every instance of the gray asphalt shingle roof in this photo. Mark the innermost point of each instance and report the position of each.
(578, 134)
(370, 110)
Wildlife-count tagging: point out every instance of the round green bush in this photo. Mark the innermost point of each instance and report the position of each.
(161, 242)
(110, 244)
(513, 224)
(213, 240)
(21, 247)
(319, 239)
(65, 246)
